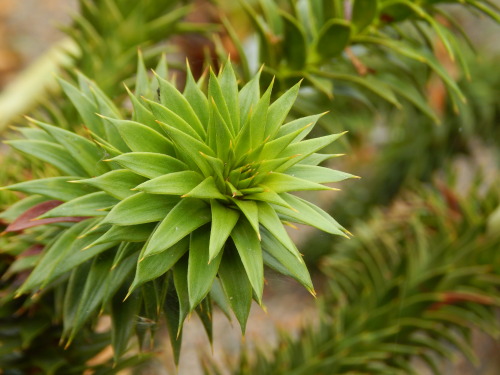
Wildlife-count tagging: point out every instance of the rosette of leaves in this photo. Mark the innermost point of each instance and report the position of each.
(193, 193)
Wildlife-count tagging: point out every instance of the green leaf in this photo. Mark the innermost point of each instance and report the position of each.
(85, 152)
(333, 38)
(117, 183)
(248, 245)
(223, 221)
(188, 215)
(92, 294)
(364, 12)
(236, 285)
(190, 149)
(85, 107)
(93, 204)
(279, 110)
(141, 208)
(248, 97)
(412, 94)
(196, 98)
(141, 114)
(218, 295)
(295, 46)
(123, 320)
(133, 233)
(149, 164)
(53, 187)
(51, 153)
(270, 220)
(206, 189)
(216, 95)
(295, 267)
(172, 317)
(74, 291)
(253, 132)
(177, 183)
(320, 175)
(171, 98)
(309, 214)
(249, 209)
(201, 270)
(281, 183)
(141, 138)
(167, 116)
(229, 87)
(154, 266)
(52, 254)
(219, 132)
(301, 123)
(181, 286)
(370, 83)
(308, 147)
(273, 148)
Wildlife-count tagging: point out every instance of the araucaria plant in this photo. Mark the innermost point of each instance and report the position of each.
(191, 195)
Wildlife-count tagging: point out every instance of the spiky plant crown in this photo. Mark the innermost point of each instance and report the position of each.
(195, 183)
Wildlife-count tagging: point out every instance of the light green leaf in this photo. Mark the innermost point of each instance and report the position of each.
(188, 215)
(279, 110)
(308, 147)
(53, 187)
(165, 115)
(93, 204)
(280, 183)
(206, 189)
(248, 97)
(177, 183)
(253, 131)
(270, 220)
(229, 87)
(141, 208)
(196, 98)
(142, 138)
(309, 214)
(171, 98)
(85, 152)
(117, 183)
(216, 95)
(295, 125)
(320, 175)
(250, 211)
(85, 107)
(51, 153)
(223, 221)
(132, 233)
(190, 149)
(149, 164)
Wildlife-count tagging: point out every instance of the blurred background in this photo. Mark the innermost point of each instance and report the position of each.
(29, 30)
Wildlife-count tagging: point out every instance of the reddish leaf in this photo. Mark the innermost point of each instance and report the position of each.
(28, 218)
(450, 298)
